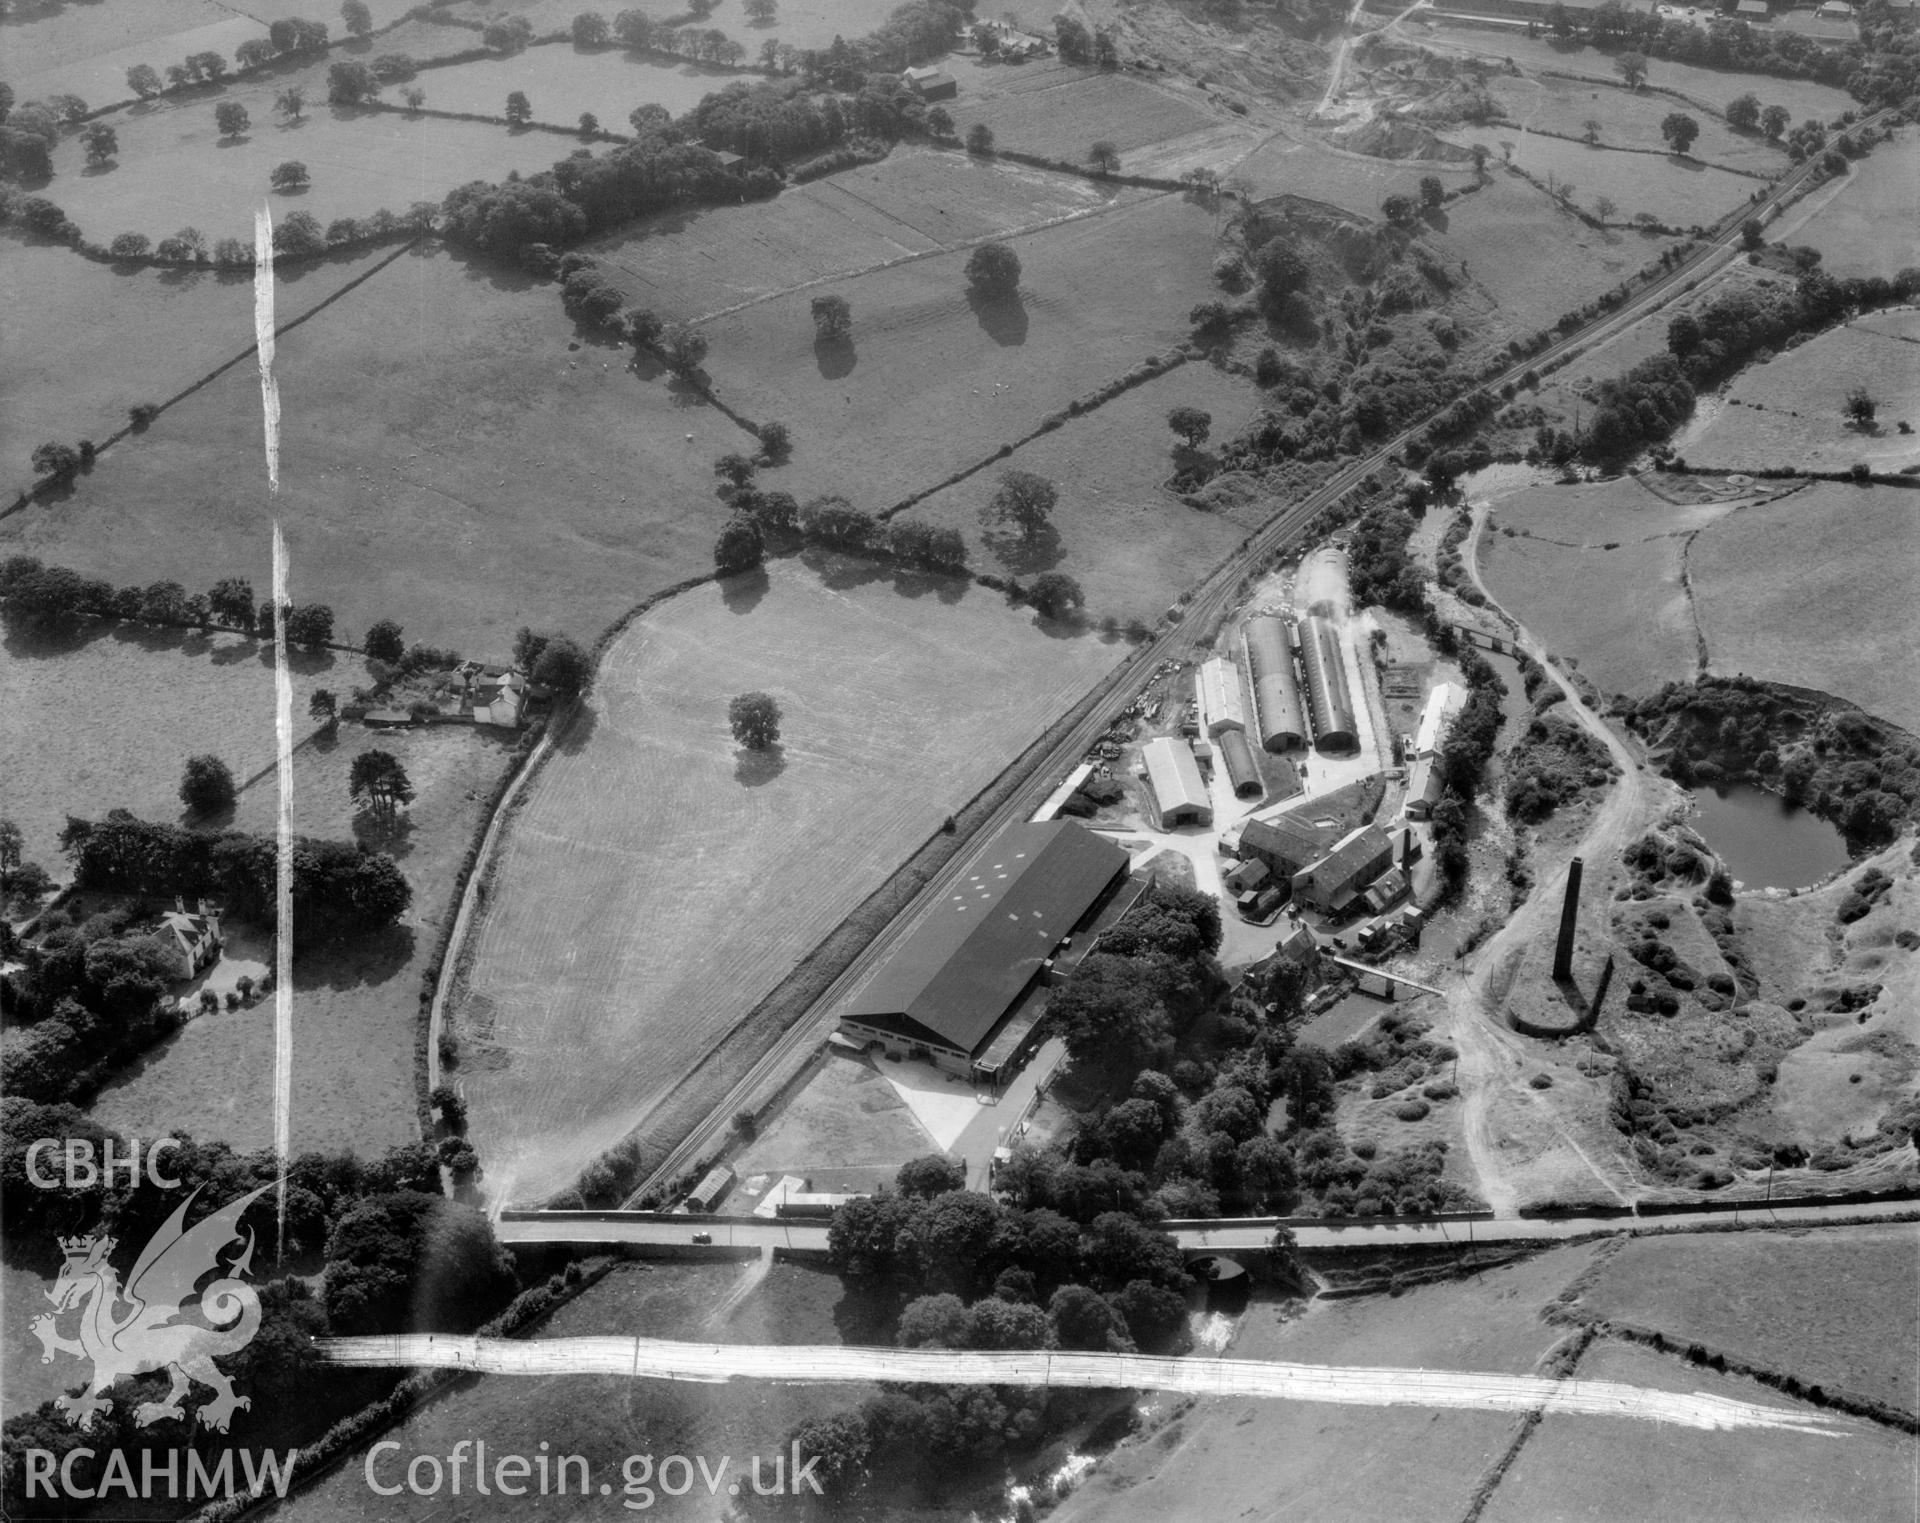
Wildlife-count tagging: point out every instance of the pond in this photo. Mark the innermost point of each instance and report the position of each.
(1765, 841)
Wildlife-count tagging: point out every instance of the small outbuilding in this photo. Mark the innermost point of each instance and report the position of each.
(931, 83)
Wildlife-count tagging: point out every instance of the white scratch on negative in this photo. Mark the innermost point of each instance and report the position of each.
(263, 326)
(263, 330)
(658, 1359)
(283, 888)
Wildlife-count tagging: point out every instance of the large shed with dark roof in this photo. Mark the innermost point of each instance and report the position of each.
(976, 953)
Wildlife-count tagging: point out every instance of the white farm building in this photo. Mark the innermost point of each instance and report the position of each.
(1222, 706)
(1441, 703)
(1179, 792)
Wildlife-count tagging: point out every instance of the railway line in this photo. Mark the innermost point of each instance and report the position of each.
(1198, 616)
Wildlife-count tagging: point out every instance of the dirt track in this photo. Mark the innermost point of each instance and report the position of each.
(1502, 1112)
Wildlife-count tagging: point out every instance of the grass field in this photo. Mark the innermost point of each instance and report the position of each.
(85, 341)
(1767, 604)
(929, 385)
(1680, 191)
(1581, 1468)
(1232, 1459)
(1834, 1307)
(1622, 614)
(1790, 411)
(802, 23)
(173, 166)
(86, 50)
(1060, 110)
(1863, 223)
(560, 81)
(658, 882)
(1131, 544)
(354, 1008)
(1628, 119)
(1531, 259)
(607, 1418)
(446, 460)
(1713, 87)
(108, 721)
(1352, 181)
(1591, 514)
(698, 262)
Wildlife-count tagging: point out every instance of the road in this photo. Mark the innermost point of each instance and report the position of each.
(643, 1230)
(1207, 603)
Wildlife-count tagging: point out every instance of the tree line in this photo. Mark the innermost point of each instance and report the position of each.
(1708, 344)
(397, 1256)
(340, 889)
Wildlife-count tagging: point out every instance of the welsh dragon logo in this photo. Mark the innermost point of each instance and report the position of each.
(154, 1333)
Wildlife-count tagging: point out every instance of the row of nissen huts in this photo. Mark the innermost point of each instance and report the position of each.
(1283, 661)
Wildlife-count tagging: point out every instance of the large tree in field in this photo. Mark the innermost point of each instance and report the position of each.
(383, 641)
(1056, 595)
(1191, 424)
(755, 720)
(377, 781)
(1774, 120)
(590, 30)
(519, 109)
(12, 844)
(144, 80)
(291, 175)
(206, 785)
(740, 546)
(1743, 112)
(562, 666)
(356, 17)
(1861, 407)
(832, 319)
(231, 118)
(1632, 67)
(231, 602)
(101, 141)
(993, 272)
(1023, 502)
(1680, 130)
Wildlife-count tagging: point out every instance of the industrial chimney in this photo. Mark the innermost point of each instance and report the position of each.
(1569, 916)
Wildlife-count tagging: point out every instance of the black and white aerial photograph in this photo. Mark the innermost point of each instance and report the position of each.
(879, 761)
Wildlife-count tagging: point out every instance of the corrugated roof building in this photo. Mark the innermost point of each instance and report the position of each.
(1242, 770)
(1178, 790)
(1217, 686)
(1279, 716)
(951, 981)
(1323, 658)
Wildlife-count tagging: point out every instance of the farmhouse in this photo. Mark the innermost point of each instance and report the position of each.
(947, 990)
(931, 83)
(1174, 777)
(196, 937)
(1753, 10)
(1334, 882)
(1286, 844)
(1217, 687)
